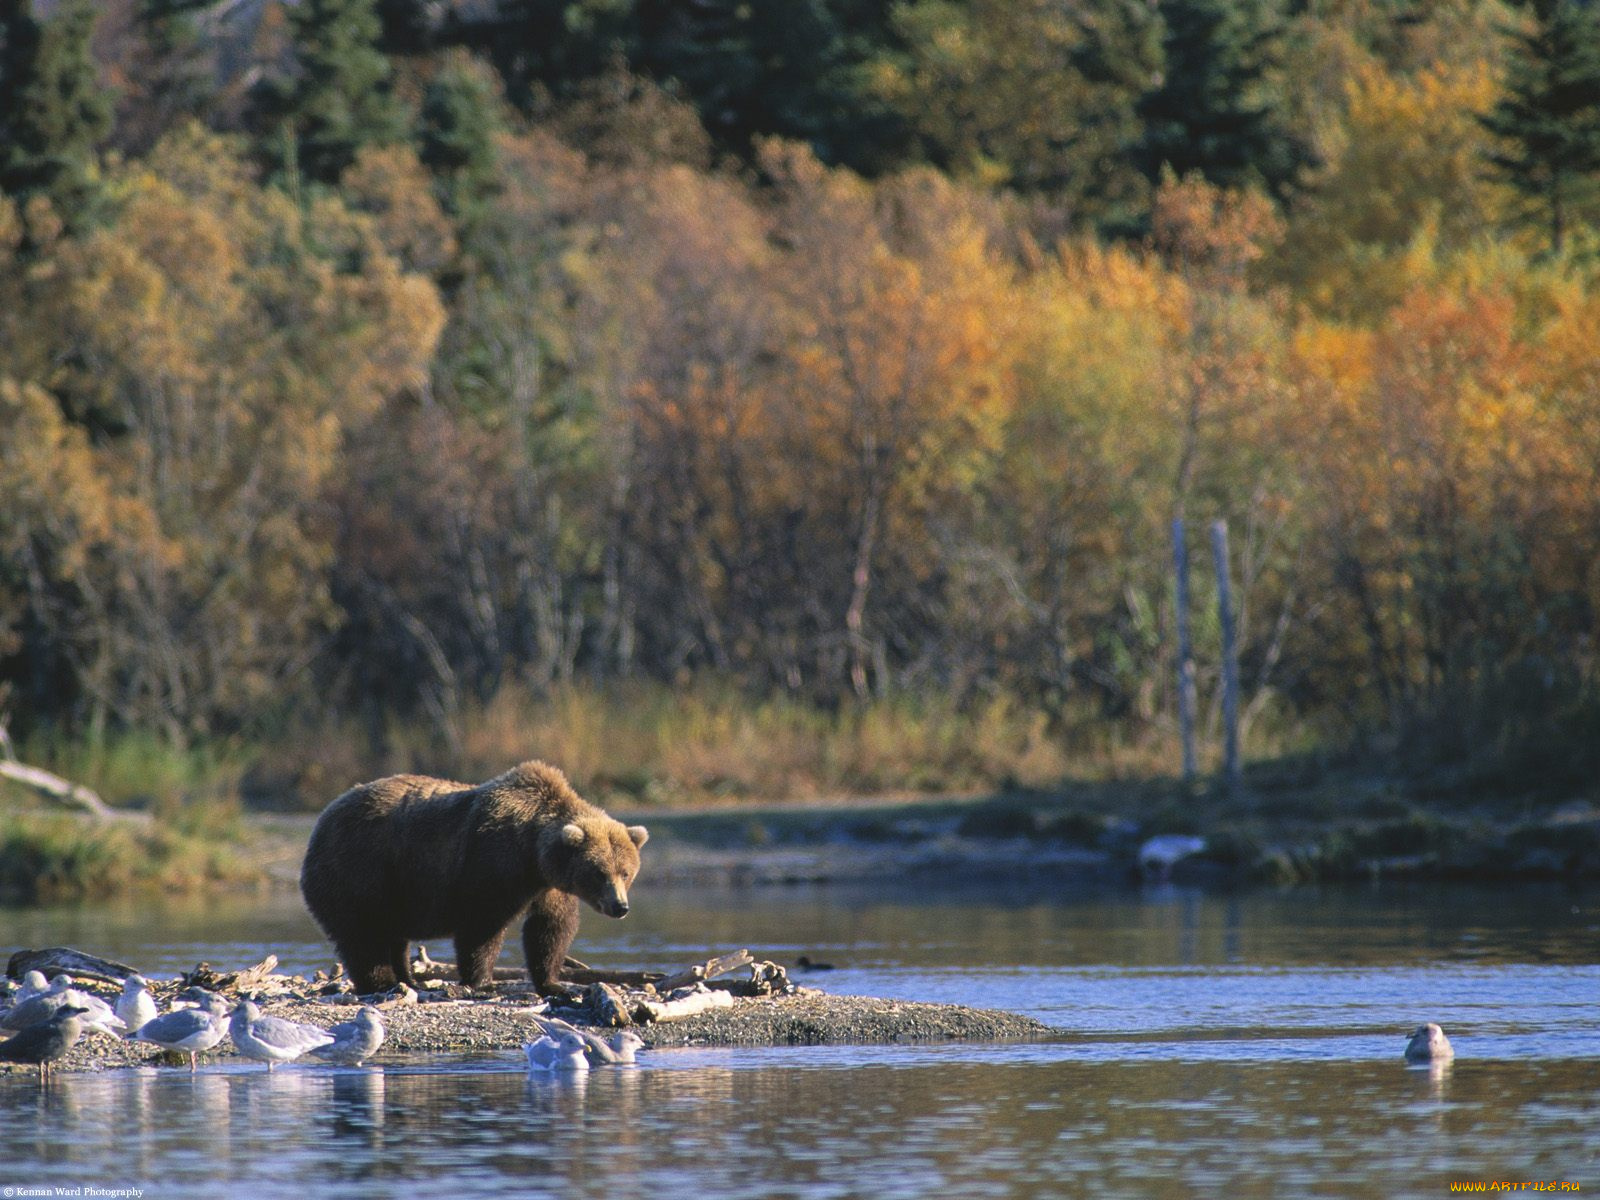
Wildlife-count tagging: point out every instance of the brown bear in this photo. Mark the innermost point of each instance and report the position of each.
(411, 857)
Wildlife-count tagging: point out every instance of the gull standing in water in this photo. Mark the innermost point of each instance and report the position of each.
(47, 1041)
(272, 1040)
(566, 1052)
(189, 1030)
(136, 1006)
(353, 1041)
(601, 1052)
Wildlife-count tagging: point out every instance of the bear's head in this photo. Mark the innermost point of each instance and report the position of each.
(595, 858)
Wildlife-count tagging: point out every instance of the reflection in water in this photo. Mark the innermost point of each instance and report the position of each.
(1435, 1074)
(722, 1121)
(1212, 1045)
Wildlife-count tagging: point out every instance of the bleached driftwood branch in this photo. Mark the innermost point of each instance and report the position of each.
(247, 980)
(63, 791)
(701, 972)
(685, 1006)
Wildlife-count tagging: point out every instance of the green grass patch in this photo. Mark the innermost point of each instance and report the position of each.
(49, 857)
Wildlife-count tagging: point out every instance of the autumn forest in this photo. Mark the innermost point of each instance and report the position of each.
(377, 372)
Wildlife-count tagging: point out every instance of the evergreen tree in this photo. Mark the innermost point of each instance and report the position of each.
(1212, 111)
(1549, 117)
(1118, 54)
(795, 68)
(545, 48)
(176, 79)
(53, 111)
(407, 28)
(455, 135)
(339, 99)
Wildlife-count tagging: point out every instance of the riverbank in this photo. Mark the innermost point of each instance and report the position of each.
(447, 1019)
(1281, 830)
(809, 1018)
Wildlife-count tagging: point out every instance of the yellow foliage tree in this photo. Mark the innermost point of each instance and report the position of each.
(1405, 191)
(214, 342)
(898, 370)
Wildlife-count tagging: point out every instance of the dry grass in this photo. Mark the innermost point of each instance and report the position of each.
(654, 744)
(664, 745)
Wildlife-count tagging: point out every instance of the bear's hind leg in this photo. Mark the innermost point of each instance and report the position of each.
(400, 963)
(547, 933)
(476, 953)
(369, 971)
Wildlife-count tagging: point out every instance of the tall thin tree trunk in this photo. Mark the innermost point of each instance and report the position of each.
(860, 584)
(1186, 698)
(1230, 660)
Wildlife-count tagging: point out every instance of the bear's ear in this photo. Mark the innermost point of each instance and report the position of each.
(639, 834)
(572, 834)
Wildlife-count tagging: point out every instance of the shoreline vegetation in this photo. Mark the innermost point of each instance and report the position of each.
(754, 404)
(768, 792)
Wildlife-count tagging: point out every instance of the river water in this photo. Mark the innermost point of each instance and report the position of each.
(1212, 1045)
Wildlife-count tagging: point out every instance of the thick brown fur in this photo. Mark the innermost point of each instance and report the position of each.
(410, 857)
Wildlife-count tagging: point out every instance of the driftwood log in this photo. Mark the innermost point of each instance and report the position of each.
(247, 980)
(605, 1007)
(697, 1001)
(57, 960)
(701, 972)
(423, 966)
(572, 971)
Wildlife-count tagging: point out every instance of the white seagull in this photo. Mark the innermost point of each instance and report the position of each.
(272, 1040)
(33, 984)
(563, 1053)
(619, 1048)
(97, 1015)
(136, 1006)
(353, 1041)
(189, 1030)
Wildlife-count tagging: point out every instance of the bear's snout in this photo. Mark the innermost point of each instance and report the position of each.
(613, 902)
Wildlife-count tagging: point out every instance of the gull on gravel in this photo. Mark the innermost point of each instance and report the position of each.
(97, 1015)
(33, 984)
(136, 1006)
